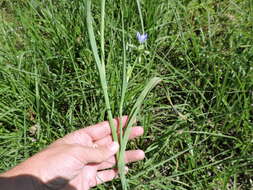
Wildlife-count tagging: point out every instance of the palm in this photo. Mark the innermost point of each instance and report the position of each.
(83, 176)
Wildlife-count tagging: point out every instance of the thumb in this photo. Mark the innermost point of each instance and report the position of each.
(96, 155)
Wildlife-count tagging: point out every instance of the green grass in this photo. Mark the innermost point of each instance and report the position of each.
(198, 122)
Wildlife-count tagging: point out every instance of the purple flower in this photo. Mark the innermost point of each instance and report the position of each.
(142, 37)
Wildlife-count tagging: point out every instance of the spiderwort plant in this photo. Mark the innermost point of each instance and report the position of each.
(124, 134)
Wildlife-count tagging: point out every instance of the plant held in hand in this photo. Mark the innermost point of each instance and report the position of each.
(124, 135)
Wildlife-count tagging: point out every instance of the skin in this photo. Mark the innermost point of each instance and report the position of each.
(80, 160)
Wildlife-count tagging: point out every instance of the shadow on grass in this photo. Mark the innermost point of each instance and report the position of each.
(28, 182)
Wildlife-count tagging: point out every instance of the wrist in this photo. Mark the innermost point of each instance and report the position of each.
(23, 177)
(20, 182)
(20, 177)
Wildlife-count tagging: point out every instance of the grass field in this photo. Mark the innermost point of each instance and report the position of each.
(198, 122)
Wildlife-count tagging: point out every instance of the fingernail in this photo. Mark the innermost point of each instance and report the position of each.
(114, 147)
(126, 169)
(140, 130)
(141, 154)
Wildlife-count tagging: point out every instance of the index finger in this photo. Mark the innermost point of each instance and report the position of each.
(103, 129)
(88, 135)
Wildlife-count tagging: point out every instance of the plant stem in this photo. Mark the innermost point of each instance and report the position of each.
(121, 159)
(140, 14)
(102, 31)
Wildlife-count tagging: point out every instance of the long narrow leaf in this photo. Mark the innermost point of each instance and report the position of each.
(132, 117)
(151, 84)
(101, 68)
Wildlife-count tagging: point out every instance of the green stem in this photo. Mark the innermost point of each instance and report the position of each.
(121, 160)
(102, 31)
(140, 14)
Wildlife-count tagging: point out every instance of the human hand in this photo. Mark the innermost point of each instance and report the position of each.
(81, 159)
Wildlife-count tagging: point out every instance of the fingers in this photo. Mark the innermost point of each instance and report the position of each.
(99, 154)
(130, 156)
(76, 137)
(105, 176)
(88, 135)
(135, 132)
(102, 129)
